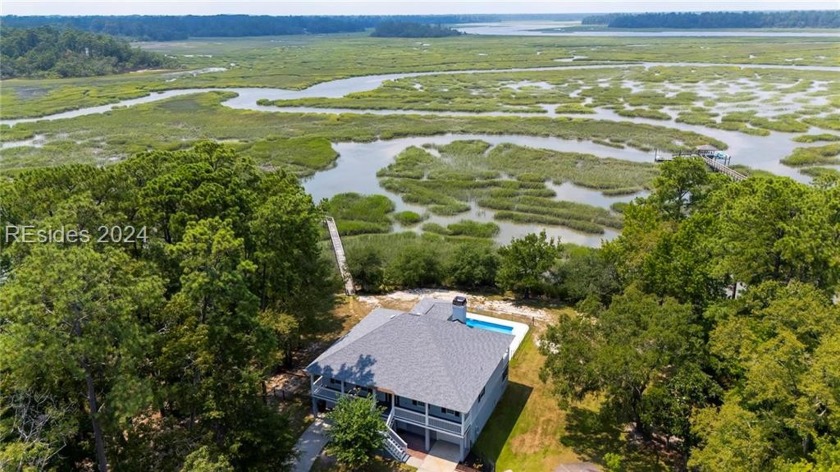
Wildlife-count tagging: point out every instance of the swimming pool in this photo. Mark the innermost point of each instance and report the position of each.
(474, 323)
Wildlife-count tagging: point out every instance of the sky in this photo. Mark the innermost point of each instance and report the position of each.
(393, 7)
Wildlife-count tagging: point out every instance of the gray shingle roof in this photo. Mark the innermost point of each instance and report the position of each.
(434, 308)
(424, 358)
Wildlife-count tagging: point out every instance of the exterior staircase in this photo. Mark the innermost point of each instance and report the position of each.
(394, 444)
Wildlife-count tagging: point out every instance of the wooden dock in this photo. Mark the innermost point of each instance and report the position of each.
(340, 257)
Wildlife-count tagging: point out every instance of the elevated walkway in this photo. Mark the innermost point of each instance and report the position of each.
(340, 257)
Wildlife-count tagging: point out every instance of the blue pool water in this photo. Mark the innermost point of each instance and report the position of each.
(473, 323)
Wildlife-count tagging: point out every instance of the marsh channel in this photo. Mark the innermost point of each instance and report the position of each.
(357, 164)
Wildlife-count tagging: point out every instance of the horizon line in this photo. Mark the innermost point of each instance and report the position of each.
(427, 14)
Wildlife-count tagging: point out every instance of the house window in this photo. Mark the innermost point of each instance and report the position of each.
(505, 373)
(416, 403)
(334, 381)
(451, 412)
(481, 395)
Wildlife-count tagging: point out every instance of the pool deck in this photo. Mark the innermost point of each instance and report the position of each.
(519, 329)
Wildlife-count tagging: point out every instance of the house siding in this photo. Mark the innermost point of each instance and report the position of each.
(481, 410)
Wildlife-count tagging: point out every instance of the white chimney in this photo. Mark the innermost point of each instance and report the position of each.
(459, 309)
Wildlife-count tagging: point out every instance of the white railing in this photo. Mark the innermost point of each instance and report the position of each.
(413, 416)
(395, 450)
(420, 419)
(445, 425)
(320, 391)
(393, 442)
(726, 170)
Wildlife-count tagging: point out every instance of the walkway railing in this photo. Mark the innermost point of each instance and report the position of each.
(713, 164)
(340, 257)
(724, 169)
(394, 444)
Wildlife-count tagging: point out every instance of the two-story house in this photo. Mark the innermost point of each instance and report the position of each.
(432, 374)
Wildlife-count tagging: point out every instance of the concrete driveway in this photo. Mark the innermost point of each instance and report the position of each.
(443, 457)
(310, 444)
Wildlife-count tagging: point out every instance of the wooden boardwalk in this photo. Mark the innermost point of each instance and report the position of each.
(713, 164)
(723, 169)
(340, 257)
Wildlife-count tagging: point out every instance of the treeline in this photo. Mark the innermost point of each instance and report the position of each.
(601, 19)
(717, 20)
(403, 29)
(532, 266)
(148, 349)
(49, 52)
(169, 28)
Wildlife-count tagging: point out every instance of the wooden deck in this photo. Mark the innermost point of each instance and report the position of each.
(340, 257)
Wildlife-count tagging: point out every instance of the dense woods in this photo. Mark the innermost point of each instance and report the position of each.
(723, 19)
(402, 29)
(739, 384)
(151, 355)
(49, 52)
(169, 28)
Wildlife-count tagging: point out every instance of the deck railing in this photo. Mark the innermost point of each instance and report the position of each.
(408, 415)
(445, 425)
(420, 419)
(321, 391)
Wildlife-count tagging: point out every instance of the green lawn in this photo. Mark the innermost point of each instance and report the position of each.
(528, 430)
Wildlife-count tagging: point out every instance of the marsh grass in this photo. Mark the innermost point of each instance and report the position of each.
(408, 218)
(821, 172)
(360, 214)
(591, 219)
(619, 207)
(17, 133)
(813, 156)
(469, 228)
(813, 138)
(829, 122)
(303, 155)
(643, 113)
(512, 180)
(180, 121)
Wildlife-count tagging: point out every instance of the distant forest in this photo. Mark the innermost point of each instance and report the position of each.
(170, 28)
(715, 20)
(402, 29)
(51, 52)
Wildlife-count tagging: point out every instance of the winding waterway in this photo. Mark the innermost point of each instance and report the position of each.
(355, 169)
